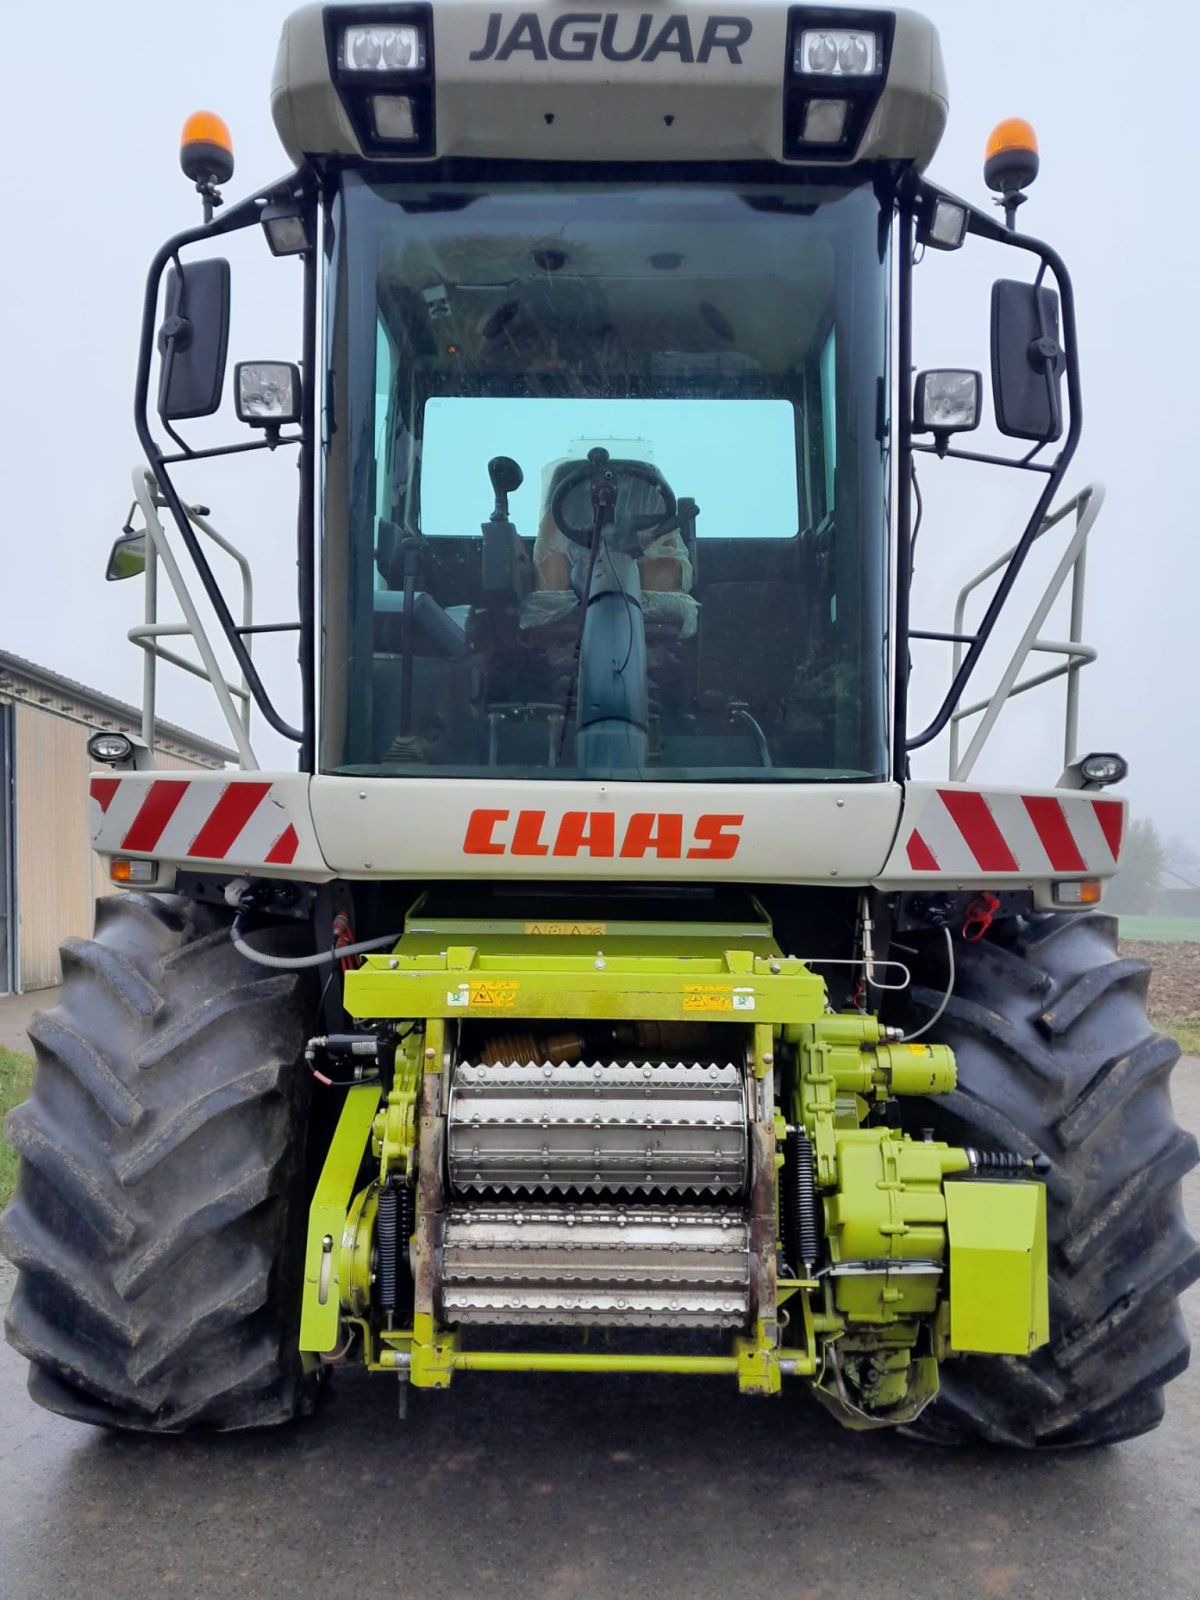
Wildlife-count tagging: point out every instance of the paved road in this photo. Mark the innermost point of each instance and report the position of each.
(586, 1489)
(16, 1013)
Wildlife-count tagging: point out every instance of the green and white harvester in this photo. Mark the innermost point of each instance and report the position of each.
(599, 992)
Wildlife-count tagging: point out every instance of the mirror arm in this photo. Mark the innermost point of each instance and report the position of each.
(233, 449)
(244, 214)
(983, 226)
(1023, 463)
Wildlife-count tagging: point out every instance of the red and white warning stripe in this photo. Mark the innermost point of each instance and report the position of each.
(242, 821)
(969, 832)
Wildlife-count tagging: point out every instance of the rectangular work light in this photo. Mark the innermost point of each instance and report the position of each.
(381, 47)
(267, 393)
(947, 401)
(838, 52)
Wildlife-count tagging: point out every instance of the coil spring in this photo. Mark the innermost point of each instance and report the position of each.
(386, 1217)
(1007, 1162)
(802, 1200)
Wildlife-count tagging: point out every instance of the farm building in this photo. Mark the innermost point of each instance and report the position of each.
(49, 877)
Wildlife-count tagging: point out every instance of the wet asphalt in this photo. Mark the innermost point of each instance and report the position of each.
(575, 1488)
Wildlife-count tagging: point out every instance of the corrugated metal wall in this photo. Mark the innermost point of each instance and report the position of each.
(58, 877)
(54, 857)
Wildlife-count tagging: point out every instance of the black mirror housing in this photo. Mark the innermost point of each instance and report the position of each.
(193, 340)
(127, 558)
(1027, 361)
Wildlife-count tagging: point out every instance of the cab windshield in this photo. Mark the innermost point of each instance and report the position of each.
(605, 483)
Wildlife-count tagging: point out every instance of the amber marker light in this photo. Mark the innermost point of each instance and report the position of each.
(206, 149)
(1010, 163)
(124, 871)
(1078, 892)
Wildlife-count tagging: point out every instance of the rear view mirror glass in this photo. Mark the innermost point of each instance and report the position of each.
(127, 559)
(1027, 361)
(193, 340)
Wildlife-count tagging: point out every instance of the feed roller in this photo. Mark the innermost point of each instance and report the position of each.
(608, 1266)
(554, 1128)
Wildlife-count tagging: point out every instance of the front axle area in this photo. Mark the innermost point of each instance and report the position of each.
(595, 1147)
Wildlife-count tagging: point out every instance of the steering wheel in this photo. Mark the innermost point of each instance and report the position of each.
(602, 475)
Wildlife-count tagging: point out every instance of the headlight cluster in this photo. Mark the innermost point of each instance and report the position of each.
(838, 66)
(382, 60)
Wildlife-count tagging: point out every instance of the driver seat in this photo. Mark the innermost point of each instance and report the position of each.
(666, 567)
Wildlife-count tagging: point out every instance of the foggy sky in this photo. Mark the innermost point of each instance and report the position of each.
(91, 103)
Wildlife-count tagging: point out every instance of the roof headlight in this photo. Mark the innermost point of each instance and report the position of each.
(838, 53)
(392, 47)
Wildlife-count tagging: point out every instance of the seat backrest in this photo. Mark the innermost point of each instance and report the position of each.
(748, 640)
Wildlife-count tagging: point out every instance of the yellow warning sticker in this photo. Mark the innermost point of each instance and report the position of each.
(499, 994)
(708, 997)
(582, 930)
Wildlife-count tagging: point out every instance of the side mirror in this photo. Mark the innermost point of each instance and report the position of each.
(193, 340)
(127, 559)
(947, 400)
(1027, 361)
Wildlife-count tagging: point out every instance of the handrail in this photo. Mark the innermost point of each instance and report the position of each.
(1086, 506)
(146, 495)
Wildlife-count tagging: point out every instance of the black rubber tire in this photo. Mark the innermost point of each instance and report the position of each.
(1056, 1057)
(157, 1222)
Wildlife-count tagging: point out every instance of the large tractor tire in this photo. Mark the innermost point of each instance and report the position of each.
(1056, 1057)
(157, 1223)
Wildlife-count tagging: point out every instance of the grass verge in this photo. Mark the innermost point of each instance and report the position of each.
(1161, 930)
(1184, 1030)
(16, 1071)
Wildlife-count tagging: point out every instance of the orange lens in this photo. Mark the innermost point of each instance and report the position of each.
(205, 127)
(1014, 133)
(118, 869)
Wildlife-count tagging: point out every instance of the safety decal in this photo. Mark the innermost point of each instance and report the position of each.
(489, 994)
(967, 831)
(243, 821)
(584, 930)
(708, 997)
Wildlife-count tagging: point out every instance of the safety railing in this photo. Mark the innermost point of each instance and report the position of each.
(1073, 565)
(233, 695)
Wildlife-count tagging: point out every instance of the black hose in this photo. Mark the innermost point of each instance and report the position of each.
(802, 1201)
(385, 1234)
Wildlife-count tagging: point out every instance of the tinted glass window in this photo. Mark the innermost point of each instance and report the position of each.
(689, 582)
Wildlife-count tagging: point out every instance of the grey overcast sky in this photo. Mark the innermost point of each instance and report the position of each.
(91, 103)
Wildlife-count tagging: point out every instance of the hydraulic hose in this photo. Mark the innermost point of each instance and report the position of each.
(293, 963)
(937, 1015)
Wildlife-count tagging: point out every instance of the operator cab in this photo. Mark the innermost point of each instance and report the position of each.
(676, 395)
